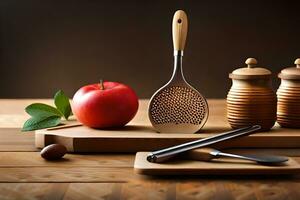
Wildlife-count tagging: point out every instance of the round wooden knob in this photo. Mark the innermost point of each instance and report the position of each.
(251, 62)
(297, 62)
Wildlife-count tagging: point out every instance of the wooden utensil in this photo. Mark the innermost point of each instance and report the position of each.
(207, 154)
(177, 107)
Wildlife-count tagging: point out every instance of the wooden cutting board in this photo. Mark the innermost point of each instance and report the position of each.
(140, 136)
(221, 166)
(134, 138)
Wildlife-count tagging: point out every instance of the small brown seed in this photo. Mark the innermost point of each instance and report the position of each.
(53, 152)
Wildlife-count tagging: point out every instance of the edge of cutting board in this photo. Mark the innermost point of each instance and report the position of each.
(217, 167)
(134, 138)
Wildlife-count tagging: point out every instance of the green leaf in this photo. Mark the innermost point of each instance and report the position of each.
(36, 123)
(39, 110)
(62, 103)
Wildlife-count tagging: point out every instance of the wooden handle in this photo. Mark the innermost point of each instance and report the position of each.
(201, 154)
(179, 29)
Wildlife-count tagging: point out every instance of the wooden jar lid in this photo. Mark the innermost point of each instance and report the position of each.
(251, 71)
(292, 73)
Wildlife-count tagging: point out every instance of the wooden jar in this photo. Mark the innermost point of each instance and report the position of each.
(251, 99)
(288, 94)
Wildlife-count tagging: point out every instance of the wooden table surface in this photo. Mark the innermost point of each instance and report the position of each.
(25, 175)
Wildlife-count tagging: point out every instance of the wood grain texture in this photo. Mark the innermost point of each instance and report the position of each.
(77, 191)
(32, 191)
(12, 139)
(24, 175)
(33, 159)
(60, 174)
(154, 190)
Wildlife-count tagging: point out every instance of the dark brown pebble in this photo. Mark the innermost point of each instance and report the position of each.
(53, 152)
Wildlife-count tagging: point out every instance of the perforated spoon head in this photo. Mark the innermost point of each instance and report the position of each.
(177, 107)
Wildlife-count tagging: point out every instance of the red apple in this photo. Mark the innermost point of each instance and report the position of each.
(105, 105)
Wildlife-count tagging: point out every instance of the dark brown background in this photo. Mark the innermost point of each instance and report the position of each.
(51, 45)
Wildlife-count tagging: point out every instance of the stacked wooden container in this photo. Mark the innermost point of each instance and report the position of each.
(288, 94)
(251, 99)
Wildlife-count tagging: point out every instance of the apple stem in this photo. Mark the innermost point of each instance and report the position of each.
(101, 85)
